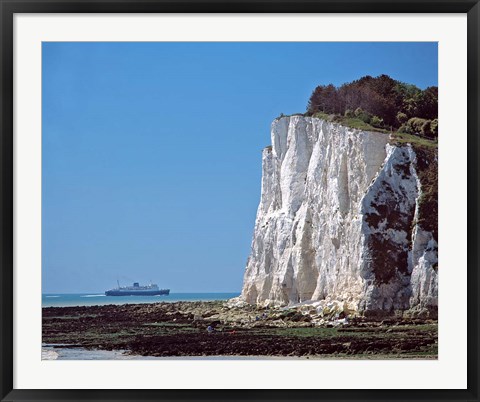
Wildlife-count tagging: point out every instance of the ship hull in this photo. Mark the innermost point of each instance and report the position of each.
(159, 292)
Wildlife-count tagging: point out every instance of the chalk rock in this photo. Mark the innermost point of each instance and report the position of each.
(337, 223)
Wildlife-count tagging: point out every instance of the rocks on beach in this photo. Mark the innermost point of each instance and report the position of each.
(180, 329)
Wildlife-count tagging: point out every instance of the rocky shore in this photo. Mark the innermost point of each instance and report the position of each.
(222, 329)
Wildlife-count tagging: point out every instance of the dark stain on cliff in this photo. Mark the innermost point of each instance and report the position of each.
(389, 258)
(373, 220)
(403, 170)
(427, 171)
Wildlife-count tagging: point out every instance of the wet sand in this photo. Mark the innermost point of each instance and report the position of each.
(180, 330)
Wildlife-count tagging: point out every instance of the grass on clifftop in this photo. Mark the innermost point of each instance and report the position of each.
(416, 141)
(396, 137)
(352, 122)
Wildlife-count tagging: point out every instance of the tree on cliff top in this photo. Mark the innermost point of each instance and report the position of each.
(391, 102)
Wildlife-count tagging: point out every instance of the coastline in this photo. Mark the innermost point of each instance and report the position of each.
(48, 353)
(180, 330)
(99, 298)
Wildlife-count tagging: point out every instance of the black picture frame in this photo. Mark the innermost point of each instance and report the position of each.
(7, 10)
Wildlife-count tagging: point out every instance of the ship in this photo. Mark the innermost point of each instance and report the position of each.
(137, 290)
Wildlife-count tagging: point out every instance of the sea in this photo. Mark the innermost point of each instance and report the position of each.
(99, 299)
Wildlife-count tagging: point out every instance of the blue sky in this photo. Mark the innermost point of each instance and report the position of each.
(152, 151)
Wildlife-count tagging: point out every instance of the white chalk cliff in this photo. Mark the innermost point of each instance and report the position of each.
(338, 222)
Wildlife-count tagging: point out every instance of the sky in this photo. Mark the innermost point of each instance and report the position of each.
(151, 152)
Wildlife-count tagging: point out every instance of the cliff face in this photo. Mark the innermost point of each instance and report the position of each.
(338, 222)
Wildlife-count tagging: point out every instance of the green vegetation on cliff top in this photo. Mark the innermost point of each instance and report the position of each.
(381, 104)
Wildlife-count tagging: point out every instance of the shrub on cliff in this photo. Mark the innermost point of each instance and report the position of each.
(362, 115)
(376, 122)
(415, 125)
(402, 118)
(426, 129)
(434, 127)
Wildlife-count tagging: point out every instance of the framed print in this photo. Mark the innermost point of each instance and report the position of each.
(237, 201)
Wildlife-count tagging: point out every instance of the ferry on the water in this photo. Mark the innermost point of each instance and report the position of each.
(137, 290)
